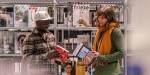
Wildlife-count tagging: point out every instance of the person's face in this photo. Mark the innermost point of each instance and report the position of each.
(43, 25)
(68, 69)
(102, 21)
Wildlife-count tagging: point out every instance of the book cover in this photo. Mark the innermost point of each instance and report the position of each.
(63, 54)
(8, 42)
(85, 39)
(85, 54)
(32, 11)
(81, 15)
(1, 43)
(6, 16)
(21, 15)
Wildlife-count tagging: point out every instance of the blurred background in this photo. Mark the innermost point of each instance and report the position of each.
(138, 34)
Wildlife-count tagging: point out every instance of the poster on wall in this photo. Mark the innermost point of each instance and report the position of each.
(81, 14)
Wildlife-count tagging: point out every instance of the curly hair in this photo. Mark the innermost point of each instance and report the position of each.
(108, 13)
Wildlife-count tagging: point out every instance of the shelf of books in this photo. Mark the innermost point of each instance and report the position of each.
(75, 21)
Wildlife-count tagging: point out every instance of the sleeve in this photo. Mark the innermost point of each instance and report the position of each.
(28, 46)
(117, 39)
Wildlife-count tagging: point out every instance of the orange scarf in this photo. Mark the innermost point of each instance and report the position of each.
(103, 44)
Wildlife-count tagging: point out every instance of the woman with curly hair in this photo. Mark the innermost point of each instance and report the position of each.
(109, 43)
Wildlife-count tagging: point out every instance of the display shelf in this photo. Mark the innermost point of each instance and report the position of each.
(25, 1)
(20, 28)
(13, 55)
(10, 55)
(76, 28)
(59, 1)
(15, 28)
(20, 55)
(90, 1)
(50, 28)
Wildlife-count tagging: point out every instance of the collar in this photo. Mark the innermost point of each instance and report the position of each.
(35, 31)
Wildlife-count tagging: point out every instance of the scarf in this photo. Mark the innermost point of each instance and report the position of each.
(102, 41)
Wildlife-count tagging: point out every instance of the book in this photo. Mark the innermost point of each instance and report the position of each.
(60, 15)
(1, 43)
(21, 15)
(81, 16)
(85, 39)
(63, 54)
(32, 11)
(86, 54)
(6, 16)
(8, 42)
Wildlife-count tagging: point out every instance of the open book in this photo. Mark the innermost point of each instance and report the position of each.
(63, 54)
(85, 53)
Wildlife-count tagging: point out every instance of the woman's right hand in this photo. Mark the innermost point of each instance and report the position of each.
(96, 53)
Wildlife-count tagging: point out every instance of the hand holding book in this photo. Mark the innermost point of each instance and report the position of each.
(90, 57)
(58, 53)
(87, 55)
(62, 53)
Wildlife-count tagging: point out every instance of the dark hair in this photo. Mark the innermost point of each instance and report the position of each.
(68, 63)
(108, 13)
(64, 66)
(19, 37)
